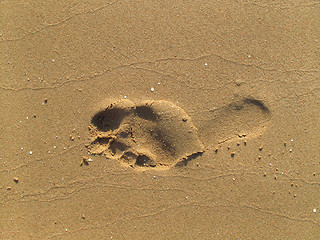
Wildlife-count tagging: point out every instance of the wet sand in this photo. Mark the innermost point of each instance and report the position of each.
(160, 120)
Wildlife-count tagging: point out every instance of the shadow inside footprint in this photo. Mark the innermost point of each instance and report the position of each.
(146, 112)
(152, 134)
(110, 119)
(257, 103)
(144, 161)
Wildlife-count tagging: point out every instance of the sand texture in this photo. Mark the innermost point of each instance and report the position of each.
(160, 119)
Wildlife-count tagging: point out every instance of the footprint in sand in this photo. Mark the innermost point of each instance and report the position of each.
(151, 134)
(159, 134)
(243, 117)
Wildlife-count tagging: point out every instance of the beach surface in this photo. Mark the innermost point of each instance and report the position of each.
(160, 119)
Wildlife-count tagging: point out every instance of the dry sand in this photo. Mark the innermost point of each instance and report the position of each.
(160, 119)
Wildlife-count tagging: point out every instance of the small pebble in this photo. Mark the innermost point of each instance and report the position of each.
(15, 179)
(314, 210)
(30, 152)
(152, 89)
